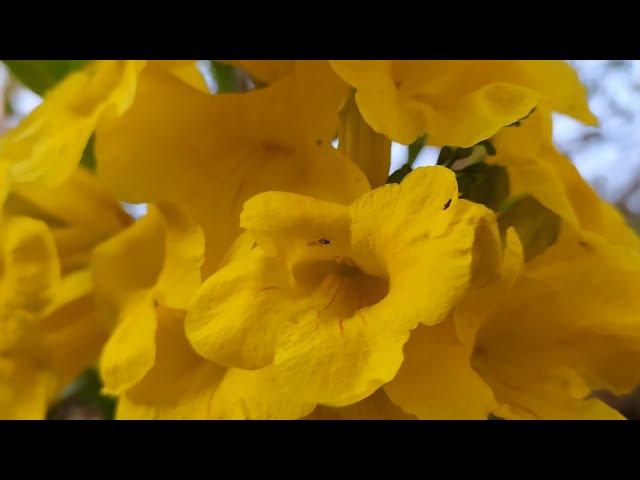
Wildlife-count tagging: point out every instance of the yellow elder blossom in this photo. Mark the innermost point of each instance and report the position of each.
(320, 335)
(48, 144)
(145, 277)
(364, 147)
(210, 153)
(535, 167)
(268, 280)
(318, 311)
(540, 338)
(565, 328)
(49, 332)
(459, 102)
(533, 342)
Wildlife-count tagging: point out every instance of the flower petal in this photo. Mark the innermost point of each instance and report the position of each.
(478, 115)
(535, 167)
(47, 145)
(235, 316)
(390, 114)
(474, 309)
(436, 381)
(79, 212)
(391, 217)
(459, 102)
(185, 70)
(73, 331)
(30, 278)
(179, 375)
(560, 86)
(256, 395)
(365, 74)
(128, 263)
(575, 327)
(131, 350)
(183, 257)
(376, 406)
(25, 391)
(297, 227)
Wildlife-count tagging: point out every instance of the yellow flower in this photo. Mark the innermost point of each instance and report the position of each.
(47, 145)
(210, 153)
(536, 168)
(459, 102)
(534, 341)
(49, 330)
(566, 328)
(145, 277)
(366, 148)
(319, 310)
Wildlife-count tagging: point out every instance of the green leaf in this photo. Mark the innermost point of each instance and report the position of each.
(41, 75)
(85, 395)
(446, 156)
(225, 76)
(88, 159)
(488, 147)
(536, 225)
(484, 184)
(414, 149)
(412, 154)
(399, 174)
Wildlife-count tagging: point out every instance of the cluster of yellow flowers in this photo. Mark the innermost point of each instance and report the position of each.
(276, 276)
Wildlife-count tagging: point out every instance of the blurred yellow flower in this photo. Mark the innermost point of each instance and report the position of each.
(536, 168)
(459, 102)
(48, 144)
(566, 328)
(49, 330)
(145, 277)
(210, 153)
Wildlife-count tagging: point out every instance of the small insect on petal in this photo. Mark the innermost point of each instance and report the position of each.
(318, 243)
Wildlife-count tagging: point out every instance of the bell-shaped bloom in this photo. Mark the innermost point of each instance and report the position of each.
(210, 153)
(49, 329)
(48, 144)
(568, 327)
(536, 168)
(536, 340)
(459, 102)
(317, 309)
(145, 277)
(543, 335)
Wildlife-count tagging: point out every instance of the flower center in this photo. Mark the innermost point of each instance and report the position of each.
(337, 288)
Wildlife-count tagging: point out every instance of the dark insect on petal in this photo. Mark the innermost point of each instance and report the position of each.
(315, 243)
